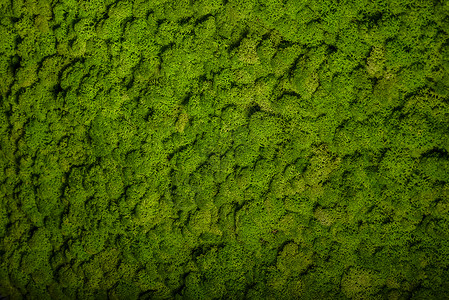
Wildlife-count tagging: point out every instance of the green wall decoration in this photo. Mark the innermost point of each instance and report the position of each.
(224, 149)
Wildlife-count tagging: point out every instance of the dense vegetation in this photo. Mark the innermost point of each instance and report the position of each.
(214, 149)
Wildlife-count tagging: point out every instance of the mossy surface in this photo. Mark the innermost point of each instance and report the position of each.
(235, 149)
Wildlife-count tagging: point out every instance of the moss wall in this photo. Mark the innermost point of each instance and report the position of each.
(224, 149)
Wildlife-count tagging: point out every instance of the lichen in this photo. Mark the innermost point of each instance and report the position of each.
(217, 149)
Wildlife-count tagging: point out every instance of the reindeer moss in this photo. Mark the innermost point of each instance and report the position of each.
(215, 149)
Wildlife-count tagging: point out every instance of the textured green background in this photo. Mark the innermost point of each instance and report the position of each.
(222, 149)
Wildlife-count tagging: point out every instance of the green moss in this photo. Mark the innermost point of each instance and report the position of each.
(223, 149)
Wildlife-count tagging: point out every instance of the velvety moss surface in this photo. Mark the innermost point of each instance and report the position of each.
(219, 149)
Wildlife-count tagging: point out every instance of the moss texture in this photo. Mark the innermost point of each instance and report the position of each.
(224, 149)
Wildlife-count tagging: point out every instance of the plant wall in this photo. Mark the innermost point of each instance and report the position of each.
(224, 149)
